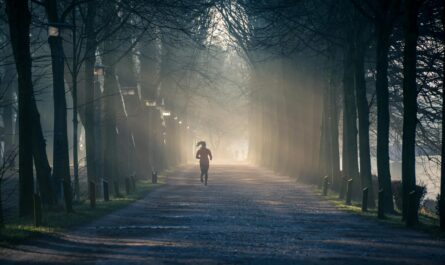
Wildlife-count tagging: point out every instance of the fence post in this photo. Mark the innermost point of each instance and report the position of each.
(349, 192)
(37, 211)
(92, 194)
(365, 199)
(411, 209)
(325, 185)
(341, 194)
(133, 183)
(380, 210)
(106, 191)
(127, 185)
(154, 177)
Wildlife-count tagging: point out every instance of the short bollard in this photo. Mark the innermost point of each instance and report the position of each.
(325, 185)
(154, 177)
(341, 195)
(106, 191)
(365, 200)
(380, 210)
(348, 192)
(127, 185)
(37, 210)
(411, 209)
(92, 194)
(133, 183)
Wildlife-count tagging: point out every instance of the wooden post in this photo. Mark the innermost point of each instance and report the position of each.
(365, 200)
(381, 211)
(133, 184)
(106, 191)
(341, 195)
(92, 194)
(349, 192)
(325, 185)
(127, 185)
(37, 210)
(154, 177)
(411, 209)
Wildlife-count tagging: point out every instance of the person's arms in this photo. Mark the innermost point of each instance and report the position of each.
(197, 155)
(210, 155)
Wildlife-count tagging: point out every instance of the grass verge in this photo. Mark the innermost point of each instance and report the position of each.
(427, 223)
(20, 229)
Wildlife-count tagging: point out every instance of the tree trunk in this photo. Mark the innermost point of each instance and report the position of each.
(43, 169)
(7, 89)
(442, 164)
(334, 131)
(61, 161)
(409, 111)
(382, 93)
(350, 152)
(75, 65)
(19, 19)
(363, 121)
(325, 146)
(111, 99)
(90, 60)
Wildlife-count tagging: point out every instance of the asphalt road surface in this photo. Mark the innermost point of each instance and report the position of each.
(245, 215)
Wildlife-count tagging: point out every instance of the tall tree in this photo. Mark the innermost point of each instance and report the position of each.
(363, 109)
(111, 101)
(442, 164)
(88, 89)
(350, 155)
(410, 109)
(384, 18)
(61, 166)
(19, 19)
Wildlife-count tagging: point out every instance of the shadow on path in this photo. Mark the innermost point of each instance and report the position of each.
(245, 216)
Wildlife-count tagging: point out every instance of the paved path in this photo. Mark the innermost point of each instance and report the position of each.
(244, 216)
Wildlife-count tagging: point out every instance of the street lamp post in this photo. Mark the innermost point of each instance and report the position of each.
(152, 110)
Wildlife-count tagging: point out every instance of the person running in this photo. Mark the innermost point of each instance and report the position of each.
(203, 155)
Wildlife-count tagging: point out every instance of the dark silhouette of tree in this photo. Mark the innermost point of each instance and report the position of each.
(411, 12)
(19, 19)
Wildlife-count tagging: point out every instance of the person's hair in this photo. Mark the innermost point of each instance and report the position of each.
(201, 143)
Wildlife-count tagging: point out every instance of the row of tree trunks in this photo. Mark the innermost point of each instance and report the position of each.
(285, 119)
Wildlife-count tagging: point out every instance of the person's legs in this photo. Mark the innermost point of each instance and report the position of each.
(206, 171)
(202, 174)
